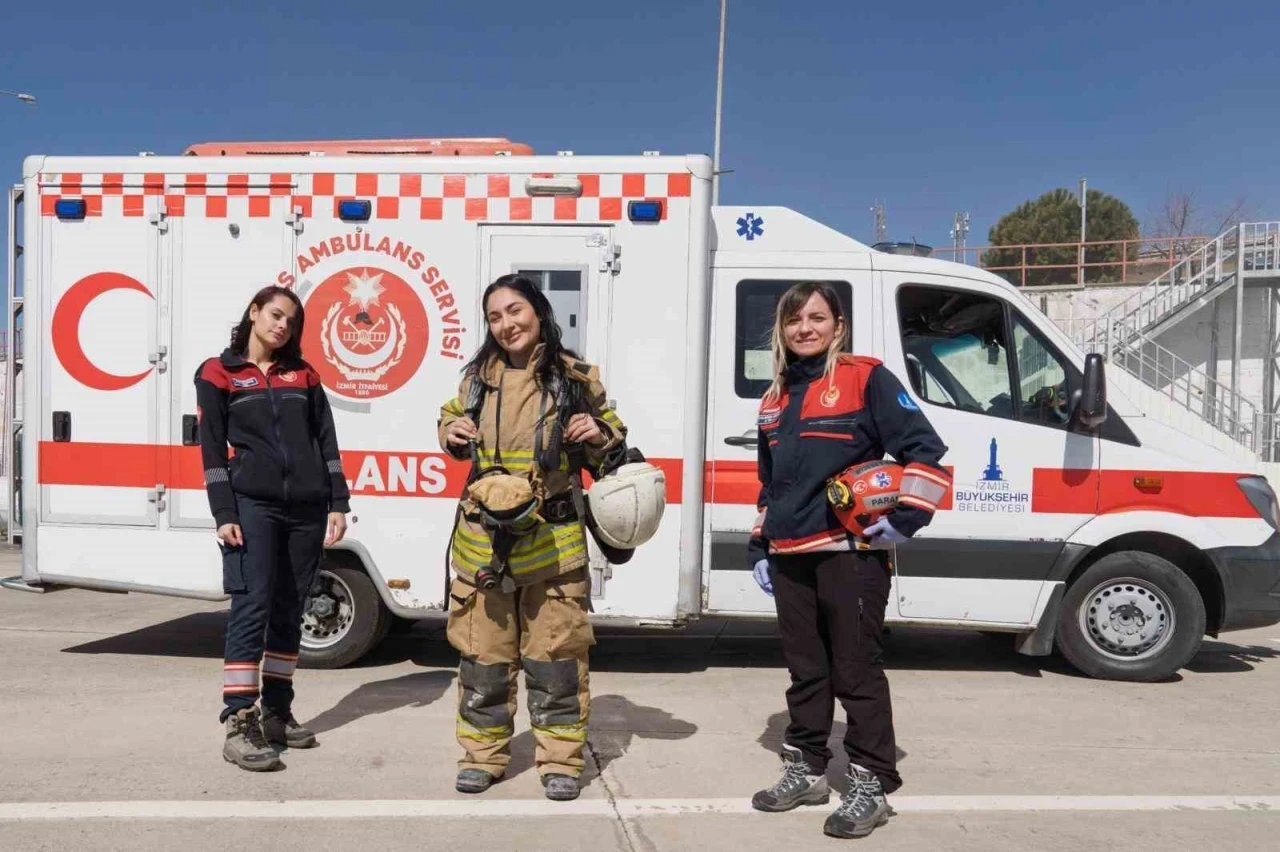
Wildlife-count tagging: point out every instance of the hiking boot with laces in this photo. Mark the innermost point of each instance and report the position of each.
(799, 785)
(285, 730)
(246, 745)
(863, 808)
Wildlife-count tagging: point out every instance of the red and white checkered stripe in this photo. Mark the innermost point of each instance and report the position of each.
(428, 197)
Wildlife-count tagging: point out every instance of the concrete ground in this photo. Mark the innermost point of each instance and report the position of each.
(110, 741)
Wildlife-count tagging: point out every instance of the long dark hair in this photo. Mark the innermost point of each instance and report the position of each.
(291, 350)
(549, 369)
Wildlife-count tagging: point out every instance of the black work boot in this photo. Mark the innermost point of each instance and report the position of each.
(863, 808)
(285, 730)
(799, 785)
(559, 787)
(473, 781)
(246, 746)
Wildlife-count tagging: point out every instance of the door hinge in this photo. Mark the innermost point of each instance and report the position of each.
(158, 357)
(294, 220)
(160, 217)
(609, 261)
(156, 495)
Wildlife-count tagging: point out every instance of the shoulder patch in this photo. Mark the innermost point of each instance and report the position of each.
(769, 416)
(905, 400)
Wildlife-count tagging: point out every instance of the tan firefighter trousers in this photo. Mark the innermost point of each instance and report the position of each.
(543, 628)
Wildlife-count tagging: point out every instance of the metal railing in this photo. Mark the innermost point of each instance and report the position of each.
(1185, 384)
(1121, 260)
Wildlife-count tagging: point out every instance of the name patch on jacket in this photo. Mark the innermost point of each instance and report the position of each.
(251, 382)
(769, 416)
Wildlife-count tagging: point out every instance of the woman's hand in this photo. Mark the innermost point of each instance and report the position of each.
(583, 428)
(230, 535)
(460, 431)
(337, 528)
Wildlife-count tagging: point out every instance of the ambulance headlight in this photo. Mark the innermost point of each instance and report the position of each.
(645, 211)
(1262, 498)
(69, 208)
(354, 210)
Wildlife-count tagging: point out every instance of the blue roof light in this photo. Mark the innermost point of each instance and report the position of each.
(69, 208)
(644, 211)
(354, 210)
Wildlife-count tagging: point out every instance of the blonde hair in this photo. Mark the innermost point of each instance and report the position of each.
(791, 303)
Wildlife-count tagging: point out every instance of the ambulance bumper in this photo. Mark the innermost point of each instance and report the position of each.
(1250, 584)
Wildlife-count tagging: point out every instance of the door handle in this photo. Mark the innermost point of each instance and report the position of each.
(742, 441)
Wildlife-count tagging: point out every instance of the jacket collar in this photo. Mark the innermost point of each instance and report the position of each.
(805, 370)
(235, 361)
(491, 372)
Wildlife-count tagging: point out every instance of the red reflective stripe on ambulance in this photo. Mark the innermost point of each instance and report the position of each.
(1205, 494)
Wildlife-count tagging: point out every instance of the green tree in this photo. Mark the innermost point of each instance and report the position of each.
(1055, 218)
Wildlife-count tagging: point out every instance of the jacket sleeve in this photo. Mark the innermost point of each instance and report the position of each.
(611, 425)
(758, 547)
(326, 435)
(906, 434)
(212, 392)
(451, 411)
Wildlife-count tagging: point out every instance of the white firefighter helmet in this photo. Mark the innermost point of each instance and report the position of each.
(627, 505)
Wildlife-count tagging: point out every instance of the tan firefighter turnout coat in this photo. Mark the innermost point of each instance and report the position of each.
(513, 404)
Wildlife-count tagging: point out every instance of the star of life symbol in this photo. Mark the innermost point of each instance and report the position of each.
(363, 345)
(882, 479)
(750, 226)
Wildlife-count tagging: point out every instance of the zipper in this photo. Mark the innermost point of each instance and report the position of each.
(275, 422)
(497, 427)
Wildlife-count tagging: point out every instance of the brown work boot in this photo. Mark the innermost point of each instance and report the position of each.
(246, 745)
(285, 731)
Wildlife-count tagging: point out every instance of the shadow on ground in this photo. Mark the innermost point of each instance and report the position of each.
(383, 696)
(700, 646)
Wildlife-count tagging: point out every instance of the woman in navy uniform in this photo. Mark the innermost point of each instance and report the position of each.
(278, 502)
(824, 412)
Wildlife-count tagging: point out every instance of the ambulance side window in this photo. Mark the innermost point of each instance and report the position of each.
(756, 301)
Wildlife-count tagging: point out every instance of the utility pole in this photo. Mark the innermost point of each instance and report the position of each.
(715, 157)
(1084, 208)
(878, 210)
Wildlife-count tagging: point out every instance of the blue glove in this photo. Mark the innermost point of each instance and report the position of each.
(763, 580)
(882, 534)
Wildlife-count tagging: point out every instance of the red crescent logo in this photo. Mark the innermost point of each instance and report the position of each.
(66, 330)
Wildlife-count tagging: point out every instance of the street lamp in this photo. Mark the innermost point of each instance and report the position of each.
(715, 159)
(22, 96)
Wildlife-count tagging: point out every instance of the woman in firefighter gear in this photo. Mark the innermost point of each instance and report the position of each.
(277, 503)
(528, 412)
(824, 412)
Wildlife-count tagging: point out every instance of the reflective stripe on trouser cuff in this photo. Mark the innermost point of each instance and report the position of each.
(240, 678)
(279, 666)
(575, 733)
(497, 734)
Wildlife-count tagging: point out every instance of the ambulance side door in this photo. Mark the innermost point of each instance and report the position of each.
(996, 387)
(743, 303)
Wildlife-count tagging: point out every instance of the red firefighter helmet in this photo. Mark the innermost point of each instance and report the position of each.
(862, 494)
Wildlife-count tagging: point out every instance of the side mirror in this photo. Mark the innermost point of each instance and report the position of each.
(1089, 404)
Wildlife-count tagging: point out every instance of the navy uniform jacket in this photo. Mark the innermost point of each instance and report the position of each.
(816, 429)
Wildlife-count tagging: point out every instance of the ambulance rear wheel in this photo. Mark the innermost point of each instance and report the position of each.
(1131, 616)
(343, 618)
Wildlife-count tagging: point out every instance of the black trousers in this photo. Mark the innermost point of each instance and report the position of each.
(831, 617)
(268, 578)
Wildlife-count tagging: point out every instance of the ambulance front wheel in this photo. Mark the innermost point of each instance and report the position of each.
(343, 618)
(1131, 616)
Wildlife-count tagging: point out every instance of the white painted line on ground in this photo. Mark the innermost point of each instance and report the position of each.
(470, 808)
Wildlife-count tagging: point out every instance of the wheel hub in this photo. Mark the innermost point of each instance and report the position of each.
(1127, 619)
(329, 613)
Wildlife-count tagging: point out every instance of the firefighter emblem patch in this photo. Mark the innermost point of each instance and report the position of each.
(371, 331)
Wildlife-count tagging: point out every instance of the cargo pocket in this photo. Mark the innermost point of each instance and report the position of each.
(568, 628)
(462, 603)
(233, 581)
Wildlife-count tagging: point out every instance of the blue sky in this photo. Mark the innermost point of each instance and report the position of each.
(930, 107)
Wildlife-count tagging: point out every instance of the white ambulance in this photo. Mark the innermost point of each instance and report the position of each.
(1076, 520)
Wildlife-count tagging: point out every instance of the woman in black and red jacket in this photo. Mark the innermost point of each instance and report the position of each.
(824, 412)
(278, 502)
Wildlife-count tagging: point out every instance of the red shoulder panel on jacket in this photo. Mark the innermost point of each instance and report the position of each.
(213, 372)
(843, 394)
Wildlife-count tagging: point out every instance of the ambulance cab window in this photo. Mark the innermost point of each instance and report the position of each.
(1044, 383)
(753, 323)
(956, 351)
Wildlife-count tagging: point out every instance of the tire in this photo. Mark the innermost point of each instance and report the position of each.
(1131, 616)
(345, 622)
